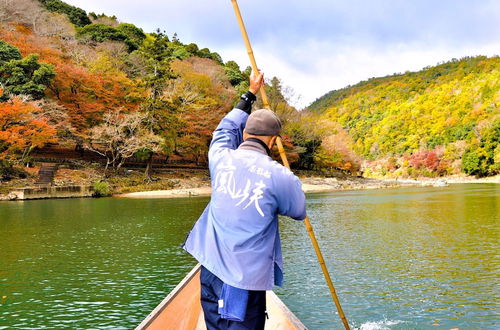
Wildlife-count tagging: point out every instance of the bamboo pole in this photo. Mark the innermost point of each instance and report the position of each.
(281, 150)
(248, 46)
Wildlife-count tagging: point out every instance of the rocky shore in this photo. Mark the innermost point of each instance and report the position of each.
(319, 184)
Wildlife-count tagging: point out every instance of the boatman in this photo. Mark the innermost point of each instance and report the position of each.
(236, 239)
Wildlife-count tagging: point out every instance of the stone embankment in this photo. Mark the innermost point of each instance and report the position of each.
(43, 192)
(193, 187)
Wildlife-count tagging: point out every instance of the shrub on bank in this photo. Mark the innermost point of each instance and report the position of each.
(101, 189)
(9, 172)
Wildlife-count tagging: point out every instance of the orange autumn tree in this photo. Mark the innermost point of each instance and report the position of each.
(203, 98)
(86, 95)
(21, 130)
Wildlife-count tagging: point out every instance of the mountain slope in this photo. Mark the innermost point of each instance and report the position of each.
(452, 109)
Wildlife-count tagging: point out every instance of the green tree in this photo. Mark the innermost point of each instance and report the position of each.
(496, 159)
(25, 76)
(179, 51)
(488, 148)
(100, 33)
(233, 72)
(204, 53)
(76, 15)
(157, 53)
(216, 57)
(129, 34)
(471, 163)
(161, 118)
(135, 36)
(243, 86)
(192, 48)
(275, 93)
(8, 52)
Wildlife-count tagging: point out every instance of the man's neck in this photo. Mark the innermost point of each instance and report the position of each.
(256, 144)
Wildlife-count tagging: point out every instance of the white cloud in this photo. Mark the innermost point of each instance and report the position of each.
(325, 67)
(318, 46)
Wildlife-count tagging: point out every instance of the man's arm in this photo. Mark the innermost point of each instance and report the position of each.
(291, 198)
(229, 132)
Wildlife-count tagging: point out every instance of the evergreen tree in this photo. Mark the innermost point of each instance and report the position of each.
(23, 75)
(8, 52)
(77, 16)
(161, 118)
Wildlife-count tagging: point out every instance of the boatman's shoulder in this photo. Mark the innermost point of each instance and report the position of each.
(280, 168)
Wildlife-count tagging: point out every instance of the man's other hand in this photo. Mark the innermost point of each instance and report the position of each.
(256, 82)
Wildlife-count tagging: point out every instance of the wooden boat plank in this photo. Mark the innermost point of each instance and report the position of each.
(280, 317)
(181, 309)
(183, 304)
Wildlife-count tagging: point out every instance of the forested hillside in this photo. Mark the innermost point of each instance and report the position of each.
(441, 120)
(90, 82)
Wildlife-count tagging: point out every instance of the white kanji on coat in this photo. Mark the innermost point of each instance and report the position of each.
(258, 194)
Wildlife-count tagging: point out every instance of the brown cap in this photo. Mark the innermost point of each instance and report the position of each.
(263, 122)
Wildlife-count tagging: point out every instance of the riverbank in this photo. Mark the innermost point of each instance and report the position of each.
(312, 184)
(192, 182)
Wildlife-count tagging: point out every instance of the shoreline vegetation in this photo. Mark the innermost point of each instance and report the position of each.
(194, 182)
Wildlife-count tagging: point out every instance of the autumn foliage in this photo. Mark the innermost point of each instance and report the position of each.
(421, 118)
(85, 95)
(21, 130)
(107, 87)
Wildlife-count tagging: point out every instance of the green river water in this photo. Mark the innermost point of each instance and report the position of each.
(409, 258)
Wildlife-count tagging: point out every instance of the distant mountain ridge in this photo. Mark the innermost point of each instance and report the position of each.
(329, 99)
(454, 105)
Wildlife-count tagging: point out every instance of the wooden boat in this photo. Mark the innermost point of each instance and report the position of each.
(181, 309)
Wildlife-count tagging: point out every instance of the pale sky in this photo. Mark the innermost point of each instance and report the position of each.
(319, 45)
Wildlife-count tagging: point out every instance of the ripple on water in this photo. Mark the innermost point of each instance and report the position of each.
(380, 325)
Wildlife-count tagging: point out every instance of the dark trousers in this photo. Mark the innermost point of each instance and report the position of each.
(211, 287)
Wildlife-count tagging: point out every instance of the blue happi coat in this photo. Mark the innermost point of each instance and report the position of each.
(237, 236)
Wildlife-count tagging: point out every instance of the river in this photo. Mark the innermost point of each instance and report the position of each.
(408, 258)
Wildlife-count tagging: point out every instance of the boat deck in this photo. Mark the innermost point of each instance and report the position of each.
(181, 309)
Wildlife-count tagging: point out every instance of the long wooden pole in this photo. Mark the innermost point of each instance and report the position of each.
(307, 222)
